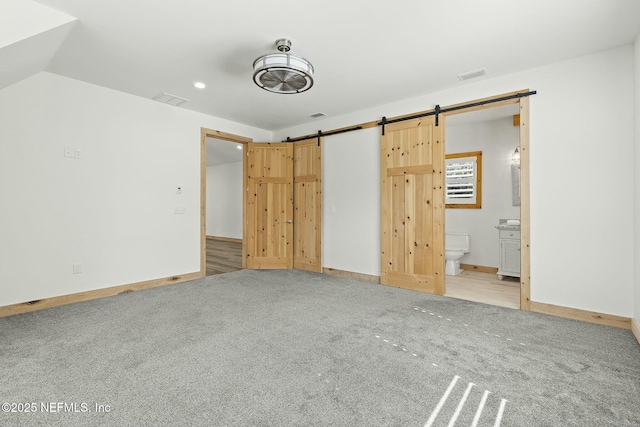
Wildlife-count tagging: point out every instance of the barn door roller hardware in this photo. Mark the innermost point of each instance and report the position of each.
(320, 134)
(437, 111)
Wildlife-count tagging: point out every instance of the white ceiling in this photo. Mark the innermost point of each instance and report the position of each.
(365, 53)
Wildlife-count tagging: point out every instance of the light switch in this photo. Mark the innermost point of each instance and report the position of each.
(179, 189)
(332, 209)
(78, 153)
(68, 152)
(77, 268)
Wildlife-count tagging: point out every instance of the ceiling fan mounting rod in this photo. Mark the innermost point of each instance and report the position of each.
(283, 45)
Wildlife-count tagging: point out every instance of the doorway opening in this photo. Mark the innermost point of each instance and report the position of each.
(490, 269)
(412, 168)
(222, 223)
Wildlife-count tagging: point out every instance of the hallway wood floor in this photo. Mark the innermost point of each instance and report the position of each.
(223, 256)
(484, 288)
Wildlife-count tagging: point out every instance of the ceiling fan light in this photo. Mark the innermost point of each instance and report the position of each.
(283, 73)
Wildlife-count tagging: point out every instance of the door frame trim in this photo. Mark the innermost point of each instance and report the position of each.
(212, 133)
(525, 200)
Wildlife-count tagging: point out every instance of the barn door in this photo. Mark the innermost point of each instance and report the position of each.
(307, 205)
(412, 205)
(269, 206)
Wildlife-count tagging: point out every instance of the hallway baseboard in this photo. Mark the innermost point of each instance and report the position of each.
(225, 239)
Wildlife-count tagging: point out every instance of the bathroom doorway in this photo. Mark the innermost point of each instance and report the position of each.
(485, 145)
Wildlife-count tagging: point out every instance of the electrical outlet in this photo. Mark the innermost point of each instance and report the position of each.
(78, 153)
(77, 268)
(179, 210)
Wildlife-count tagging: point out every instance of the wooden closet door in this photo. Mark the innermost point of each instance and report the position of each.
(412, 205)
(307, 205)
(269, 206)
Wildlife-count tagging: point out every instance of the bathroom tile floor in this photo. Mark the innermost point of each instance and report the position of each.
(484, 288)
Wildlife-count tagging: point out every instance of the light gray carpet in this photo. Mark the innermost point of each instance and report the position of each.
(290, 348)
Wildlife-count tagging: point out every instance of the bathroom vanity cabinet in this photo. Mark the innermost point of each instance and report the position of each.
(509, 241)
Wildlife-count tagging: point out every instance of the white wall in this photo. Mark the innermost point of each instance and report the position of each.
(351, 185)
(224, 200)
(636, 297)
(496, 139)
(112, 210)
(582, 146)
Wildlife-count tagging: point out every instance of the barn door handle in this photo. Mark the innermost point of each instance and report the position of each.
(289, 221)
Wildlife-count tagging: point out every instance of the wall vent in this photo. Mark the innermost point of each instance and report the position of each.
(167, 98)
(472, 74)
(316, 115)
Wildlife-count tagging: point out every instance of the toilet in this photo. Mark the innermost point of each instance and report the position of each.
(455, 246)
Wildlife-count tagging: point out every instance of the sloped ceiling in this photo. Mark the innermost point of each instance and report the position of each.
(31, 35)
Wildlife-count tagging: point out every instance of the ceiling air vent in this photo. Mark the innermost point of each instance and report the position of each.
(472, 74)
(316, 115)
(167, 98)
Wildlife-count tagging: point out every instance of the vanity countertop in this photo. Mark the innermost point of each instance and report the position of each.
(508, 227)
(505, 224)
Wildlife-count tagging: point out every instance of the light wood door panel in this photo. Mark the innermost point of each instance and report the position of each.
(307, 205)
(269, 206)
(412, 205)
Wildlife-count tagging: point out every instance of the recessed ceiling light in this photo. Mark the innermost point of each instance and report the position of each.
(199, 85)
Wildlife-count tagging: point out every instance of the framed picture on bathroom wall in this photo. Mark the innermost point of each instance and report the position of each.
(463, 180)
